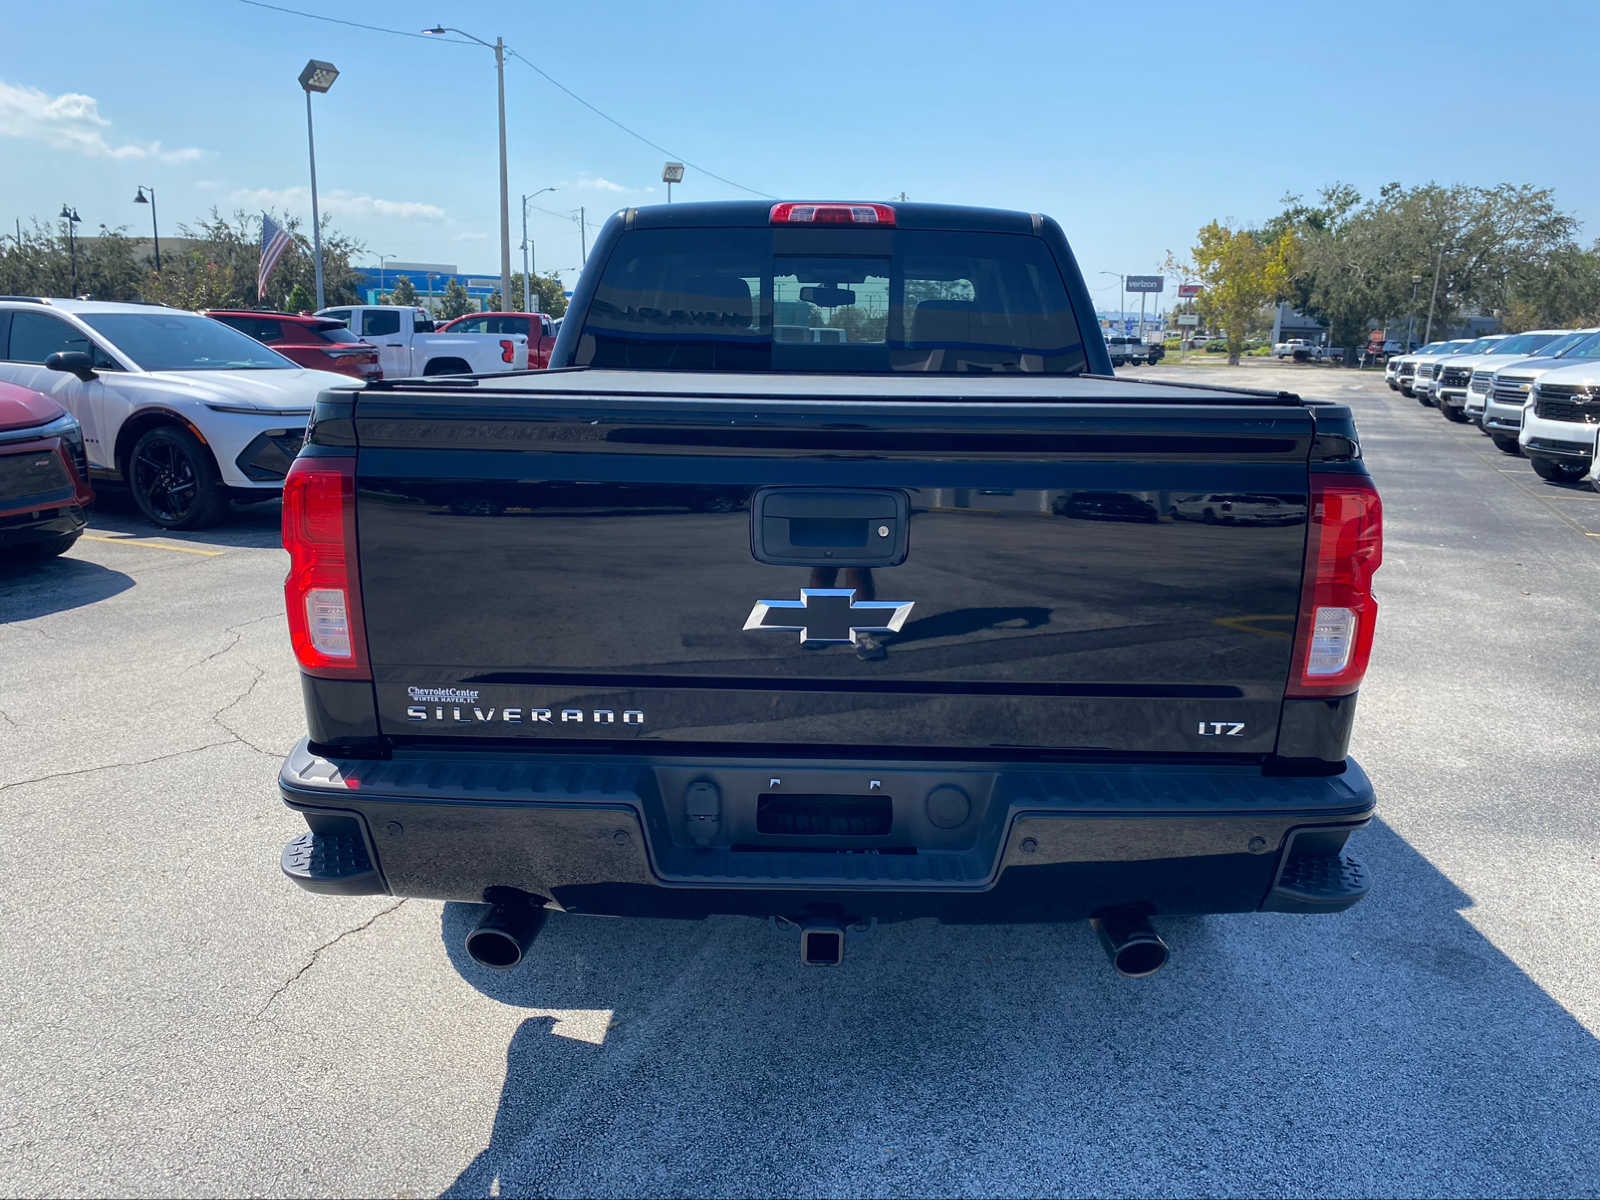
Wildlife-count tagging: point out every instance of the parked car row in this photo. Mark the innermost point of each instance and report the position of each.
(378, 341)
(1536, 394)
(192, 412)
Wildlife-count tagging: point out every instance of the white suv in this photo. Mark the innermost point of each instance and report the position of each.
(186, 411)
(1511, 386)
(1411, 369)
(1458, 391)
(1561, 422)
(1431, 370)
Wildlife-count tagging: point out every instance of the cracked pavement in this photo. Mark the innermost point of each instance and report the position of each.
(176, 1019)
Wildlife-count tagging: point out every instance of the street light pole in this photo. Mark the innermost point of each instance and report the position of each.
(499, 48)
(1411, 326)
(70, 216)
(382, 258)
(317, 76)
(155, 230)
(1438, 265)
(527, 262)
(1122, 292)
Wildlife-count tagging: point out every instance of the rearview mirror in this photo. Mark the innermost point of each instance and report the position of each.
(828, 297)
(77, 362)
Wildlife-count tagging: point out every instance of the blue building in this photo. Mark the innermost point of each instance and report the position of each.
(430, 280)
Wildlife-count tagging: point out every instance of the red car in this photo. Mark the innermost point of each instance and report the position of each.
(44, 474)
(541, 336)
(321, 343)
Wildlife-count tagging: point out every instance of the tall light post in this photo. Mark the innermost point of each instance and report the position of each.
(155, 230)
(1438, 265)
(70, 216)
(527, 261)
(1411, 327)
(499, 48)
(318, 76)
(1122, 291)
(671, 173)
(382, 258)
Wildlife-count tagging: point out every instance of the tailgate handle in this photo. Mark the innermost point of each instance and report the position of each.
(847, 527)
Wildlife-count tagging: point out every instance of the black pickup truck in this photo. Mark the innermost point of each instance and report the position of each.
(829, 577)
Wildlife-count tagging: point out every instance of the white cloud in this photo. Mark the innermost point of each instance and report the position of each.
(338, 202)
(72, 121)
(593, 183)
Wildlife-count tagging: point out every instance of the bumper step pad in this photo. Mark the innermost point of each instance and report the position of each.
(335, 864)
(1318, 883)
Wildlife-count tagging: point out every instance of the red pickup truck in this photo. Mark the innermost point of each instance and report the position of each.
(539, 327)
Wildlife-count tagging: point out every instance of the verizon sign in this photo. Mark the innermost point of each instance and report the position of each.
(1146, 283)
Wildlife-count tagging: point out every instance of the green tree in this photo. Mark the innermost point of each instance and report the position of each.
(220, 271)
(301, 299)
(494, 303)
(40, 262)
(1561, 290)
(404, 293)
(456, 302)
(547, 290)
(1488, 247)
(1242, 272)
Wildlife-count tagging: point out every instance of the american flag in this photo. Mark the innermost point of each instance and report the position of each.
(274, 241)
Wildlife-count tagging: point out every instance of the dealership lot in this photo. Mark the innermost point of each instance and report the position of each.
(177, 1018)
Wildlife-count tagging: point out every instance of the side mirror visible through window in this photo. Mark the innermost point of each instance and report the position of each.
(78, 362)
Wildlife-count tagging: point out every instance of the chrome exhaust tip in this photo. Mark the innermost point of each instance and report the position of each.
(1131, 943)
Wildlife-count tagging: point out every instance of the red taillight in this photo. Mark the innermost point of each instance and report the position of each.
(508, 351)
(1344, 547)
(322, 593)
(793, 213)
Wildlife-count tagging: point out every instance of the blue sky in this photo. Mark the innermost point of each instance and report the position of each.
(1132, 125)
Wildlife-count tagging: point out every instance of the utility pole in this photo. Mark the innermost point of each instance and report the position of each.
(1438, 264)
(499, 48)
(505, 195)
(583, 233)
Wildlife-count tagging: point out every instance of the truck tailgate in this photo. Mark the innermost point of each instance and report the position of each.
(1060, 576)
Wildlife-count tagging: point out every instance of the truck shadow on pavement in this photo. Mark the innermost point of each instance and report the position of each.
(1389, 1051)
(32, 588)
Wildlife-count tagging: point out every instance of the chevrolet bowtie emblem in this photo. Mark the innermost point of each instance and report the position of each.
(824, 616)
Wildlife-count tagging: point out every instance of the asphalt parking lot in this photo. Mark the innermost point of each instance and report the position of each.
(178, 1019)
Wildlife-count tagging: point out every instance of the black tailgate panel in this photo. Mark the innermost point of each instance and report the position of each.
(1079, 578)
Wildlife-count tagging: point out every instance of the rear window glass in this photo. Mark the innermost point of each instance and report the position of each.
(339, 334)
(831, 301)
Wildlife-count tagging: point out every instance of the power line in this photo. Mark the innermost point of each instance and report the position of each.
(633, 132)
(540, 71)
(295, 12)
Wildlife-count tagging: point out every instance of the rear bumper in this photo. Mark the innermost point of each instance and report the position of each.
(1024, 842)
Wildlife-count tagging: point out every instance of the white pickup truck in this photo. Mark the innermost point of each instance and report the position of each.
(1303, 351)
(407, 344)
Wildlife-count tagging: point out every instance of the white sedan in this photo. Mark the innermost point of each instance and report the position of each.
(187, 412)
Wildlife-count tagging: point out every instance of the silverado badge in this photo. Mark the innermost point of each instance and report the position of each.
(829, 616)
